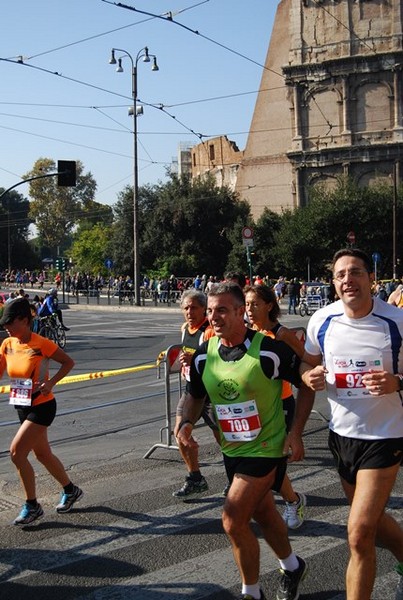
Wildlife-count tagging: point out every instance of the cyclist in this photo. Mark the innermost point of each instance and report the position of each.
(50, 306)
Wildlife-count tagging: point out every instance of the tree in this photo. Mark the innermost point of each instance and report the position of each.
(14, 232)
(318, 230)
(185, 227)
(265, 232)
(56, 210)
(91, 247)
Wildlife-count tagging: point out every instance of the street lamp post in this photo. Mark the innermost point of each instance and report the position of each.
(394, 219)
(145, 56)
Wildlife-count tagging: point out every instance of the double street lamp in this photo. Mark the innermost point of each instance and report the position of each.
(143, 55)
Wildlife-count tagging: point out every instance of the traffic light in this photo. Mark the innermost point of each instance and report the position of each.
(60, 264)
(66, 173)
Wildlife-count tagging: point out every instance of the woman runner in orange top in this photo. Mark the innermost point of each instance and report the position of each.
(262, 310)
(25, 356)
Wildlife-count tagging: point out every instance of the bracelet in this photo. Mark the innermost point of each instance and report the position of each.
(182, 423)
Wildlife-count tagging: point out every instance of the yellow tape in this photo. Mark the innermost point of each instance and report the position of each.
(88, 376)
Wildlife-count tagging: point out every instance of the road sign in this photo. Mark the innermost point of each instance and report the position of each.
(376, 257)
(247, 232)
(108, 263)
(247, 236)
(351, 237)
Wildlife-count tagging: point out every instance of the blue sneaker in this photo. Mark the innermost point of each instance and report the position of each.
(67, 500)
(29, 514)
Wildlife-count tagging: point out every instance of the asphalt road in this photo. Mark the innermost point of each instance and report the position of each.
(129, 538)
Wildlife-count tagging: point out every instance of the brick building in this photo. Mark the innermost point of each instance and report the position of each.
(219, 157)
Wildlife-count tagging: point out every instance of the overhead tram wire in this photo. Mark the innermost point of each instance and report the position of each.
(186, 103)
(98, 35)
(158, 107)
(169, 19)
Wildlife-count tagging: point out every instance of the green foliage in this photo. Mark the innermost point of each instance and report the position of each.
(57, 210)
(14, 225)
(91, 247)
(318, 230)
(185, 227)
(266, 229)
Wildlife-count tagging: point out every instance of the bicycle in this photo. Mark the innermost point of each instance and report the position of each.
(303, 308)
(51, 328)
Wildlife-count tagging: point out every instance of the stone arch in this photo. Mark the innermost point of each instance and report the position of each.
(323, 112)
(327, 180)
(373, 106)
(372, 177)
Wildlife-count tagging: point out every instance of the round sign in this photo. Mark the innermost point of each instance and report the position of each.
(376, 257)
(247, 233)
(351, 237)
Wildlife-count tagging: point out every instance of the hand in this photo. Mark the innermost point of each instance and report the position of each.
(294, 447)
(379, 383)
(44, 388)
(315, 378)
(185, 358)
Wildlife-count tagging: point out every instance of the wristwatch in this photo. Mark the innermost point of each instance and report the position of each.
(400, 376)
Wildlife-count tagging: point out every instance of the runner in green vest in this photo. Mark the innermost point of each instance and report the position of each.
(241, 370)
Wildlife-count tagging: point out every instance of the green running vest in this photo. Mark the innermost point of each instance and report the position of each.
(247, 404)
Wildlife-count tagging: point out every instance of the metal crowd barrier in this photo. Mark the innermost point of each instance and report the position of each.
(172, 366)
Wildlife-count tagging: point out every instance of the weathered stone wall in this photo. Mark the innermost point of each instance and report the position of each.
(337, 105)
(219, 157)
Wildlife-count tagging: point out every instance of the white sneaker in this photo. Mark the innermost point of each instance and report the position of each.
(294, 513)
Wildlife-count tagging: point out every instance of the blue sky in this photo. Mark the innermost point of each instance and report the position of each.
(206, 86)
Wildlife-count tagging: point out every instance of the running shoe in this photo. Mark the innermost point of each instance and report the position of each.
(290, 582)
(29, 514)
(294, 513)
(191, 487)
(249, 597)
(67, 500)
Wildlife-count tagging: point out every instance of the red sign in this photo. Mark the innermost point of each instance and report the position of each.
(351, 237)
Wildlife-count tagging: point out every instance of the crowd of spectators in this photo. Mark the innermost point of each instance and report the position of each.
(163, 289)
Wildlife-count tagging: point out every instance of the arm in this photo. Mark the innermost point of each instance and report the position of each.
(393, 296)
(2, 365)
(66, 363)
(313, 372)
(294, 446)
(289, 337)
(191, 410)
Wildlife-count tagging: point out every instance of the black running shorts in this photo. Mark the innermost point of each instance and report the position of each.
(352, 454)
(41, 414)
(256, 467)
